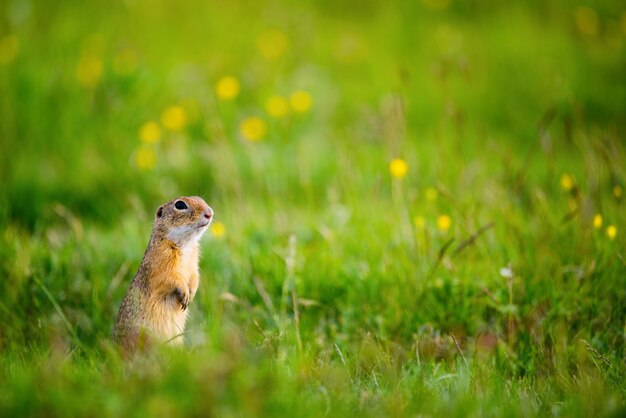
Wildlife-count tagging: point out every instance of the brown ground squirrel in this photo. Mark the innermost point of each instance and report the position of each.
(155, 306)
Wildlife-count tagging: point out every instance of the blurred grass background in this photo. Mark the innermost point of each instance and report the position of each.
(419, 205)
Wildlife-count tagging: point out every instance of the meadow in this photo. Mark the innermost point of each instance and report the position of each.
(419, 205)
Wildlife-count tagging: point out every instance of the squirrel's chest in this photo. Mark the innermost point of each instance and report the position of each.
(187, 264)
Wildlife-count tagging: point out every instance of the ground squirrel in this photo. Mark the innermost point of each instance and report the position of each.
(155, 306)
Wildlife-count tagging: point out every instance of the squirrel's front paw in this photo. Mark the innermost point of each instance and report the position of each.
(182, 296)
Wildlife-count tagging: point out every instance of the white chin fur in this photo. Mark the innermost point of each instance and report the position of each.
(183, 235)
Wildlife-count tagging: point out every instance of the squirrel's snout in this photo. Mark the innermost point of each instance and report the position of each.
(208, 214)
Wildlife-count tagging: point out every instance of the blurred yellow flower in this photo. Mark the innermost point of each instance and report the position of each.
(431, 194)
(611, 231)
(125, 62)
(437, 4)
(398, 168)
(272, 44)
(227, 88)
(438, 283)
(617, 191)
(218, 230)
(145, 158)
(276, 106)
(419, 222)
(253, 128)
(444, 222)
(9, 48)
(150, 132)
(89, 70)
(174, 118)
(597, 221)
(586, 20)
(567, 181)
(301, 101)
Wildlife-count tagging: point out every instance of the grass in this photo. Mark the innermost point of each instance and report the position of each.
(329, 287)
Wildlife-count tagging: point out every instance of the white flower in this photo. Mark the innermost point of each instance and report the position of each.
(506, 272)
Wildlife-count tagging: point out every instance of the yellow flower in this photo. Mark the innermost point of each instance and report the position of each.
(617, 191)
(253, 128)
(586, 20)
(9, 48)
(398, 168)
(419, 222)
(444, 222)
(431, 194)
(218, 230)
(301, 101)
(597, 221)
(89, 71)
(227, 88)
(174, 118)
(611, 231)
(567, 181)
(145, 158)
(272, 44)
(125, 62)
(150, 132)
(276, 106)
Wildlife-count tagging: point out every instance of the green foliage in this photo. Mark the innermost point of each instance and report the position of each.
(487, 280)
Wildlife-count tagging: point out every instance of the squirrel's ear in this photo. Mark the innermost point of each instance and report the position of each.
(159, 212)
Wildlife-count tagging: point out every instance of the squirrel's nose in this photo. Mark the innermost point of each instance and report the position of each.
(208, 213)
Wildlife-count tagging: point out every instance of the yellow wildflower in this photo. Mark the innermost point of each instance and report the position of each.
(89, 71)
(150, 132)
(586, 20)
(272, 44)
(276, 106)
(145, 158)
(419, 222)
(597, 221)
(253, 128)
(444, 222)
(174, 118)
(611, 231)
(567, 181)
(617, 191)
(431, 194)
(9, 48)
(227, 88)
(218, 230)
(301, 101)
(398, 168)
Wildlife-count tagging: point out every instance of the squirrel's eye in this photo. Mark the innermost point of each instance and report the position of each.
(180, 205)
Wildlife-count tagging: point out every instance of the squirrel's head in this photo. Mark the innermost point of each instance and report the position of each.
(182, 220)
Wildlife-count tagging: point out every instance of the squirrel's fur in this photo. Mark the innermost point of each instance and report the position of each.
(155, 306)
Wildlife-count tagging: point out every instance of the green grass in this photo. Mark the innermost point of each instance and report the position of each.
(325, 295)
